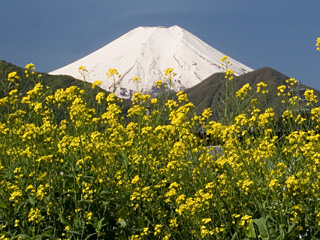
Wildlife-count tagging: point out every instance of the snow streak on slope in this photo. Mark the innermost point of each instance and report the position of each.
(146, 52)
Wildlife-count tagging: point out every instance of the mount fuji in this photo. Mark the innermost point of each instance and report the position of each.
(145, 52)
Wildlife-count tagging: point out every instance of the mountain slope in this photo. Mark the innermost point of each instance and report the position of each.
(145, 52)
(209, 93)
(53, 83)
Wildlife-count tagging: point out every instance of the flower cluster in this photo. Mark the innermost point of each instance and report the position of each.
(242, 92)
(227, 64)
(261, 88)
(83, 72)
(13, 77)
(310, 96)
(169, 75)
(114, 76)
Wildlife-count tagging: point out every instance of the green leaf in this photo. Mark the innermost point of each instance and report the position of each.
(89, 236)
(99, 225)
(291, 227)
(251, 233)
(62, 220)
(234, 236)
(3, 205)
(125, 159)
(32, 201)
(140, 223)
(282, 234)
(262, 226)
(23, 236)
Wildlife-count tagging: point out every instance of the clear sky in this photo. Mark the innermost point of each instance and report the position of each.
(276, 33)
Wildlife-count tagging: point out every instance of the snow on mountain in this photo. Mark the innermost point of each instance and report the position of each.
(145, 52)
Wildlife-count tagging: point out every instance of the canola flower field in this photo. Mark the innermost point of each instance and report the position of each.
(69, 171)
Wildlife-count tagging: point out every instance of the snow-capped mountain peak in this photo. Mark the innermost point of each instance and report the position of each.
(145, 52)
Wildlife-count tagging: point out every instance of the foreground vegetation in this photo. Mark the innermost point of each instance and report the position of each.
(73, 170)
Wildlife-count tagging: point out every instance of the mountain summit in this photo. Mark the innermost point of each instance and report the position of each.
(145, 52)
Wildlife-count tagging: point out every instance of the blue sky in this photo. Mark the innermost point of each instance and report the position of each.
(273, 33)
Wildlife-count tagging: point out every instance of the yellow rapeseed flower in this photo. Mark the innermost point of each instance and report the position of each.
(261, 86)
(30, 67)
(96, 83)
(310, 96)
(82, 69)
(281, 89)
(206, 220)
(34, 215)
(242, 92)
(13, 76)
(168, 71)
(135, 179)
(158, 84)
(136, 79)
(157, 229)
(153, 100)
(16, 223)
(173, 223)
(224, 59)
